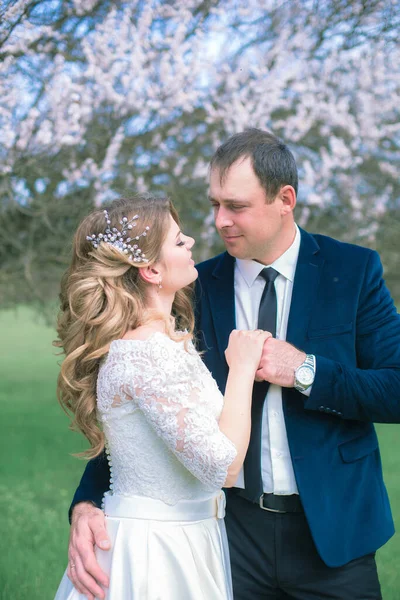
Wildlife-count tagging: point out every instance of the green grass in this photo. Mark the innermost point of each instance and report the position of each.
(37, 473)
(38, 476)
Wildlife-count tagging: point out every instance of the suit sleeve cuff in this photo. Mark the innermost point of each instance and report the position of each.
(322, 390)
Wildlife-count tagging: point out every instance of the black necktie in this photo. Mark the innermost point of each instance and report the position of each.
(267, 321)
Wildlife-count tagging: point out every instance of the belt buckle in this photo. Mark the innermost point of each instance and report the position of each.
(270, 509)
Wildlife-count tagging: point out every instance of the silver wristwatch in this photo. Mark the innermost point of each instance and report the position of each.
(304, 374)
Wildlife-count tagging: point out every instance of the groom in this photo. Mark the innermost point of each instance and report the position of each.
(310, 508)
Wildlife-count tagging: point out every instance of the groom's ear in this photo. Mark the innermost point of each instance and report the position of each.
(150, 274)
(287, 196)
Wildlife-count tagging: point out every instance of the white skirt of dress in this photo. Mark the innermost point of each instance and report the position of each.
(162, 552)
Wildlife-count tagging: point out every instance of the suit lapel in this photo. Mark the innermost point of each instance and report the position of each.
(222, 300)
(308, 271)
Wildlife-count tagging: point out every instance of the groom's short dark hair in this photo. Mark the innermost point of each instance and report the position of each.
(272, 161)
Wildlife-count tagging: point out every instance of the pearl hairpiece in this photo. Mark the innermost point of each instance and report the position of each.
(118, 239)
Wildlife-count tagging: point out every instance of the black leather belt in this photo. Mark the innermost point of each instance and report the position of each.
(281, 504)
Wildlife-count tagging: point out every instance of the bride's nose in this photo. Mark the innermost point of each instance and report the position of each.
(190, 242)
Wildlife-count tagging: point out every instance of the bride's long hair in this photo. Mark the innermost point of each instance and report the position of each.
(102, 297)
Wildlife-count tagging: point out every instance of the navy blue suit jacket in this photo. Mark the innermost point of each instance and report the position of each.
(342, 312)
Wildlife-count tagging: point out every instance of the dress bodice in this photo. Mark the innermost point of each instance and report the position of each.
(159, 407)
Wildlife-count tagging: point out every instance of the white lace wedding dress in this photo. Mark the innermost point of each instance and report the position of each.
(159, 407)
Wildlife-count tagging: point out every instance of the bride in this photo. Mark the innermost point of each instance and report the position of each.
(135, 385)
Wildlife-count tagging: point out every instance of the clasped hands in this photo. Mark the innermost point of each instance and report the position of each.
(279, 360)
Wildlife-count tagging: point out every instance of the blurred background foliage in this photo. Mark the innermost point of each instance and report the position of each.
(100, 98)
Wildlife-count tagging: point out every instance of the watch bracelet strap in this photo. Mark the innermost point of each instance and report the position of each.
(309, 361)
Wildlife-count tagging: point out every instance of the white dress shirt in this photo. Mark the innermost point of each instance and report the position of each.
(276, 463)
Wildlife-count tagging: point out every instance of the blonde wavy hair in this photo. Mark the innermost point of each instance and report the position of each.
(102, 297)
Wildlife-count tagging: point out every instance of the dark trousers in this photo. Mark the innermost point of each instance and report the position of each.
(273, 557)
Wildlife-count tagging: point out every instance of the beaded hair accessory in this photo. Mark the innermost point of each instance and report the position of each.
(121, 239)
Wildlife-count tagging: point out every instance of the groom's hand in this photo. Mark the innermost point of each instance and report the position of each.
(279, 361)
(87, 531)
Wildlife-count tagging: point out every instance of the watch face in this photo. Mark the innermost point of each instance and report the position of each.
(305, 375)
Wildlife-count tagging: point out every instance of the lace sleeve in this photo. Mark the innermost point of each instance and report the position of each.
(182, 403)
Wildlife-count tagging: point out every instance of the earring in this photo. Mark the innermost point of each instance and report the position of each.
(159, 284)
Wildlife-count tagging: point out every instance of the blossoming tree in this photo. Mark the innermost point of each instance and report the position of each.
(99, 98)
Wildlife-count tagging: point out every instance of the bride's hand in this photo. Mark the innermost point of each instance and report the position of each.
(245, 348)
(87, 531)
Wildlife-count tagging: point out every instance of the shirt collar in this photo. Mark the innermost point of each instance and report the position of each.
(284, 264)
